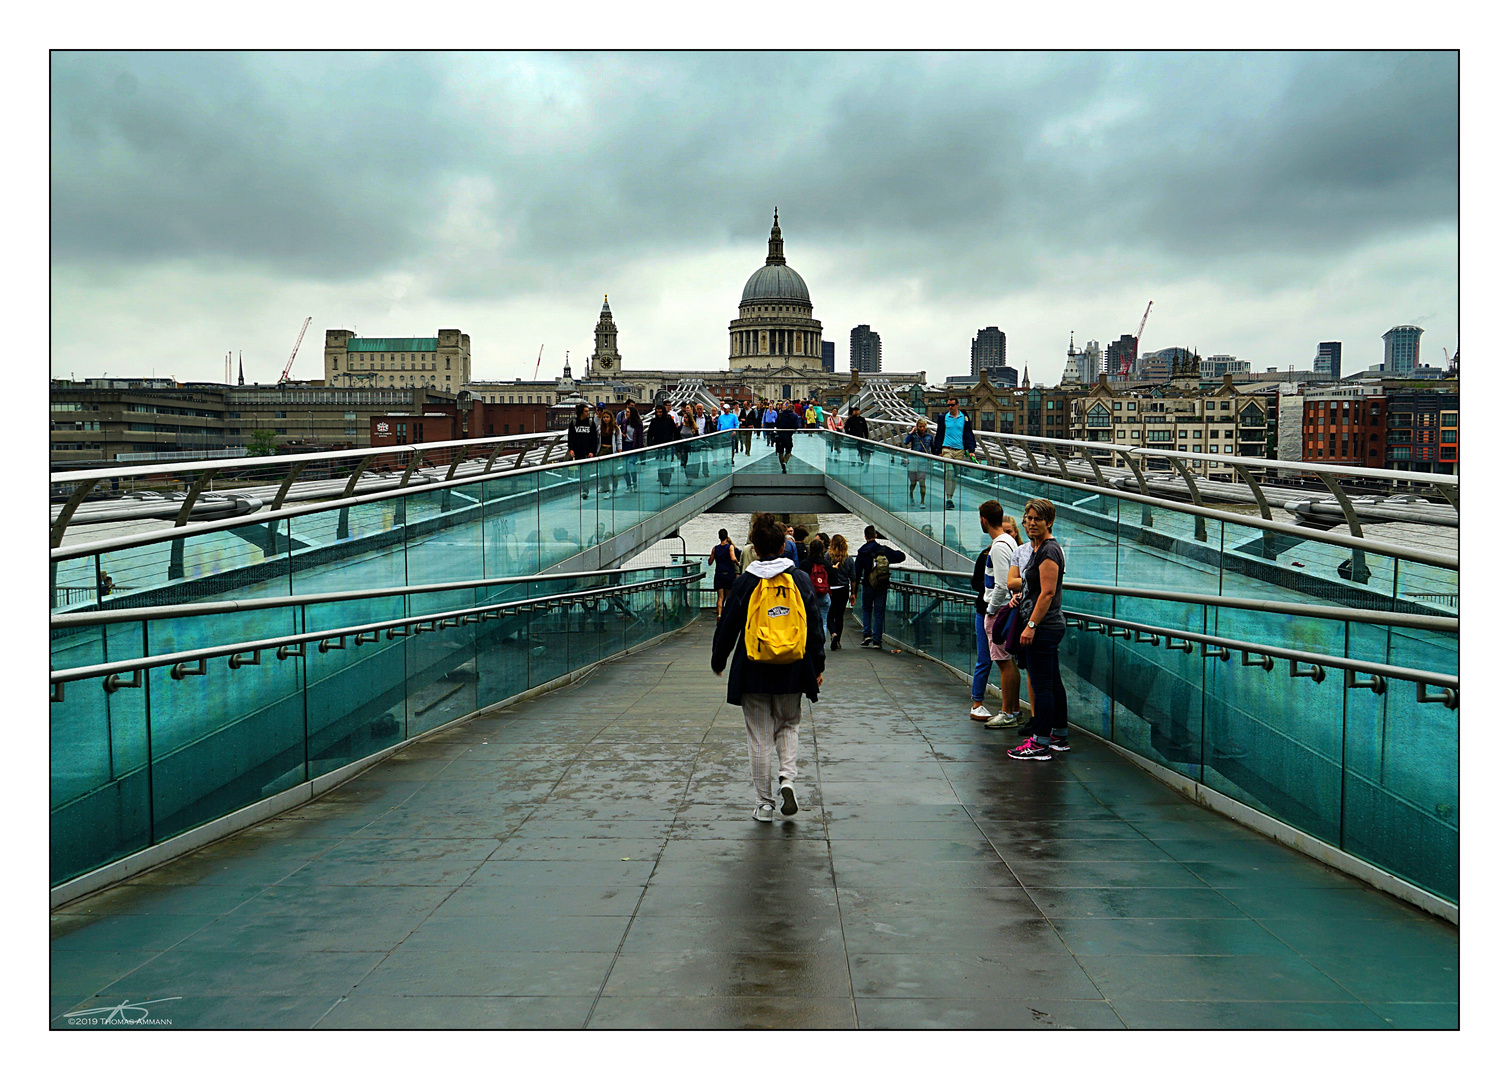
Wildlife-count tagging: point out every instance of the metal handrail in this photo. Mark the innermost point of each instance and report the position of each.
(260, 603)
(1267, 463)
(158, 536)
(1352, 543)
(1264, 653)
(238, 650)
(1282, 607)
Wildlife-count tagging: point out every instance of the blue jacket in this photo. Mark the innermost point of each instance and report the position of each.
(969, 434)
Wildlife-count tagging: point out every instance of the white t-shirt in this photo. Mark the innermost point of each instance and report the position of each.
(1003, 551)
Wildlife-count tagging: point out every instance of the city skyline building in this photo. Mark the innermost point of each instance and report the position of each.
(1328, 359)
(987, 349)
(1401, 349)
(775, 327)
(828, 360)
(864, 350)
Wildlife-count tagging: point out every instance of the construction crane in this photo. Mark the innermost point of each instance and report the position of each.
(537, 360)
(283, 378)
(1126, 365)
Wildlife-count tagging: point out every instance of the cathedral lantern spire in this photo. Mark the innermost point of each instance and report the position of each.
(777, 256)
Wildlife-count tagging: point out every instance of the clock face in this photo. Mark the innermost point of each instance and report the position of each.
(607, 364)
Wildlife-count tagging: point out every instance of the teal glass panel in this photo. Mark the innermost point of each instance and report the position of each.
(353, 547)
(74, 586)
(356, 696)
(1272, 741)
(1426, 590)
(229, 737)
(549, 648)
(510, 526)
(1401, 804)
(502, 659)
(443, 534)
(1085, 665)
(1160, 706)
(100, 797)
(441, 683)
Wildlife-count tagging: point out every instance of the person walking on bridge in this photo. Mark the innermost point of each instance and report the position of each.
(785, 424)
(771, 612)
(841, 578)
(859, 428)
(955, 440)
(582, 442)
(872, 567)
(663, 432)
(728, 421)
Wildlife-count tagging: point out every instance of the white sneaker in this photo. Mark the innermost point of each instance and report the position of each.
(764, 812)
(1002, 719)
(979, 712)
(788, 799)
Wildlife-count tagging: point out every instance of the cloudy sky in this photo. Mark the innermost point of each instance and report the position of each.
(1264, 201)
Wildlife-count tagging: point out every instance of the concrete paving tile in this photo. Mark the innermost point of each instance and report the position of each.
(558, 826)
(1246, 1015)
(1045, 873)
(1417, 979)
(364, 930)
(952, 1014)
(375, 849)
(1168, 937)
(1057, 850)
(1276, 977)
(1027, 833)
(1133, 902)
(261, 974)
(523, 932)
(1420, 1017)
(1422, 938)
(572, 848)
(941, 875)
(83, 974)
(342, 901)
(949, 931)
(854, 830)
(692, 973)
(1296, 872)
(496, 900)
(129, 898)
(1283, 902)
(375, 1012)
(122, 933)
(394, 873)
(1017, 975)
(775, 931)
(416, 969)
(528, 873)
(888, 902)
(714, 899)
(714, 1013)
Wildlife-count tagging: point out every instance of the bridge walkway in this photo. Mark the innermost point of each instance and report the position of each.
(586, 859)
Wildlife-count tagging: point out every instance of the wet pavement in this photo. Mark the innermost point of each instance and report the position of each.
(587, 859)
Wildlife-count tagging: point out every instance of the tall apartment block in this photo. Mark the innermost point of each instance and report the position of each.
(1328, 359)
(987, 350)
(1401, 350)
(827, 356)
(864, 349)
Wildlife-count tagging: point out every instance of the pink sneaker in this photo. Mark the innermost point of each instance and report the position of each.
(1030, 751)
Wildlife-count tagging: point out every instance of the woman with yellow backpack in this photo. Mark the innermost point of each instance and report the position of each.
(771, 628)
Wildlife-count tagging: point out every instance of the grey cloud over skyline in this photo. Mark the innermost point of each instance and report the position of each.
(926, 194)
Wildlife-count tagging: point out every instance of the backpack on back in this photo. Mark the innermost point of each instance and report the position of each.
(880, 573)
(775, 630)
(819, 577)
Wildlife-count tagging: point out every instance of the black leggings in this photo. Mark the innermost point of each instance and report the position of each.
(840, 604)
(1050, 707)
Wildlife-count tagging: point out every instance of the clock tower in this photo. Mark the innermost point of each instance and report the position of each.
(605, 359)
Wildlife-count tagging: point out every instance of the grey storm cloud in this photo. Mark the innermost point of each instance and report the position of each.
(968, 172)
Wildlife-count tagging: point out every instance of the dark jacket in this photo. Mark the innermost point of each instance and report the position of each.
(977, 581)
(662, 429)
(746, 676)
(864, 559)
(785, 422)
(582, 437)
(839, 577)
(858, 426)
(969, 434)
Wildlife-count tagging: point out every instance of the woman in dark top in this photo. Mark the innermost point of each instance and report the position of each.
(1042, 605)
(725, 560)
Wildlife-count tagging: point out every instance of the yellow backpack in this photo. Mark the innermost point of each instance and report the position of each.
(775, 630)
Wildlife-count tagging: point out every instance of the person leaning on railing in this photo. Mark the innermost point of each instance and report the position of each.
(1042, 603)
